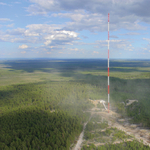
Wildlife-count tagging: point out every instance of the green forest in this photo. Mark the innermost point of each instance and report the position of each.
(43, 102)
(42, 115)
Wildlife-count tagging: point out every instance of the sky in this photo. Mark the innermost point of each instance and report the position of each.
(74, 29)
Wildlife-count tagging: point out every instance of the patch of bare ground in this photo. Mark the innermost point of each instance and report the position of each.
(80, 139)
(134, 130)
(129, 131)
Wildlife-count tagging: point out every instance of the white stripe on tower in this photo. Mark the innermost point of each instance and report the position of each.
(108, 62)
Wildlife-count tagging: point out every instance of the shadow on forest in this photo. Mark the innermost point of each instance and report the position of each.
(73, 65)
(70, 68)
(35, 129)
(120, 89)
(6, 95)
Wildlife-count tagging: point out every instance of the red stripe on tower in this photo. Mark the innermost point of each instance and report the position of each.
(108, 62)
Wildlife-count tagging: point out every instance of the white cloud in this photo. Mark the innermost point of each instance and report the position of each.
(113, 36)
(28, 33)
(16, 2)
(131, 33)
(90, 5)
(10, 25)
(95, 52)
(23, 52)
(1, 3)
(146, 39)
(23, 46)
(92, 14)
(18, 31)
(49, 36)
(5, 19)
(42, 7)
(48, 52)
(74, 49)
(130, 50)
(62, 36)
(115, 45)
(5, 37)
(82, 20)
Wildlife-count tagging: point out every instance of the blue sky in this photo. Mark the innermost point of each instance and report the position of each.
(74, 29)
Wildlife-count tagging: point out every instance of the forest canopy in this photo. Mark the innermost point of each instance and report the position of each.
(43, 102)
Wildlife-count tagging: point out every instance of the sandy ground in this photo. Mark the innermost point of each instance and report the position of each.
(137, 132)
(112, 117)
(80, 140)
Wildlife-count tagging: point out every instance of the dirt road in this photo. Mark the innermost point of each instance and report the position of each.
(80, 139)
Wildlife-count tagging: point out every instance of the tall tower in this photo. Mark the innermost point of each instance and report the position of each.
(108, 62)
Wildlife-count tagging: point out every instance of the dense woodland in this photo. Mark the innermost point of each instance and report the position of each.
(138, 114)
(42, 102)
(42, 116)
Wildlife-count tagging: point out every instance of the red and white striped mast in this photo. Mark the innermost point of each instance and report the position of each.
(108, 62)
